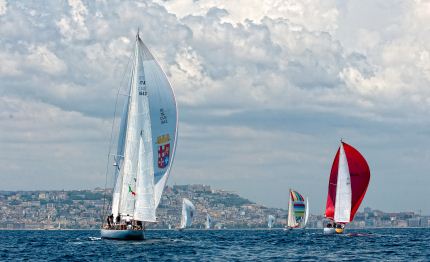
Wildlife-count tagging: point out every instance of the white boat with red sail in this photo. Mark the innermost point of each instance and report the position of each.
(349, 179)
(145, 148)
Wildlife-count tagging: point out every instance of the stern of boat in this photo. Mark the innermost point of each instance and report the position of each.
(329, 231)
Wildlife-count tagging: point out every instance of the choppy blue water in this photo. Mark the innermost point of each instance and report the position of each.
(219, 245)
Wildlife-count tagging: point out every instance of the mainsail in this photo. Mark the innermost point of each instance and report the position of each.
(296, 209)
(270, 221)
(208, 221)
(188, 212)
(349, 179)
(306, 213)
(146, 141)
(119, 157)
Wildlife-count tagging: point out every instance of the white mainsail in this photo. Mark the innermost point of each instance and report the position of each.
(306, 213)
(146, 141)
(208, 221)
(270, 221)
(342, 210)
(188, 211)
(119, 157)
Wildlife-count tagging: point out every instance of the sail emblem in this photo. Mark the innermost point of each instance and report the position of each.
(133, 193)
(163, 155)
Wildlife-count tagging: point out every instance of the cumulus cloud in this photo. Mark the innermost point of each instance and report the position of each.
(261, 86)
(73, 26)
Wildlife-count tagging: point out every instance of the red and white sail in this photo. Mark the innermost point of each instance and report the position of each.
(349, 178)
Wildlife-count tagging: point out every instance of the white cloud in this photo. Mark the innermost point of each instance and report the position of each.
(316, 15)
(9, 64)
(263, 86)
(41, 58)
(3, 7)
(74, 26)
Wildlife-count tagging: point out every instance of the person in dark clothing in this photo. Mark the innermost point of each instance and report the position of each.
(108, 222)
(118, 219)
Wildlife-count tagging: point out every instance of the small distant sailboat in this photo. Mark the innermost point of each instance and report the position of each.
(270, 221)
(349, 179)
(209, 221)
(188, 212)
(145, 149)
(298, 210)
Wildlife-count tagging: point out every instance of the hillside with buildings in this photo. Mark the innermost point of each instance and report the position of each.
(82, 209)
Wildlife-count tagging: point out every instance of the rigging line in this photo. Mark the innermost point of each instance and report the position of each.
(103, 213)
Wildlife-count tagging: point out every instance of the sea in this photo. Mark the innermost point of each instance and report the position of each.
(411, 244)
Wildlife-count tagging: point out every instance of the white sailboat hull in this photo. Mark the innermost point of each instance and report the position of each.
(329, 231)
(126, 234)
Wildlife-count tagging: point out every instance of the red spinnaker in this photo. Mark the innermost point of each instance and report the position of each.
(360, 176)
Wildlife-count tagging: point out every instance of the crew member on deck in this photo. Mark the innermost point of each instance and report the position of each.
(108, 222)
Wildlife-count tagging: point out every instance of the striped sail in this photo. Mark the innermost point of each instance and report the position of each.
(297, 207)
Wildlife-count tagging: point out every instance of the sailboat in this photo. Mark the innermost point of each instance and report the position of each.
(270, 221)
(298, 210)
(145, 149)
(188, 212)
(208, 221)
(349, 178)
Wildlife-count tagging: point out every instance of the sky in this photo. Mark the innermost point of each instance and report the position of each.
(265, 90)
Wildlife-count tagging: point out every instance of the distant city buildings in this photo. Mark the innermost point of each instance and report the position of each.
(83, 210)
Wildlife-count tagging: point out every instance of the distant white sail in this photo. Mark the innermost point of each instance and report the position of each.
(342, 211)
(306, 213)
(270, 221)
(188, 212)
(208, 221)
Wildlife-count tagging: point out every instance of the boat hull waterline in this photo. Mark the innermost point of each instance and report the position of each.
(331, 231)
(127, 234)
